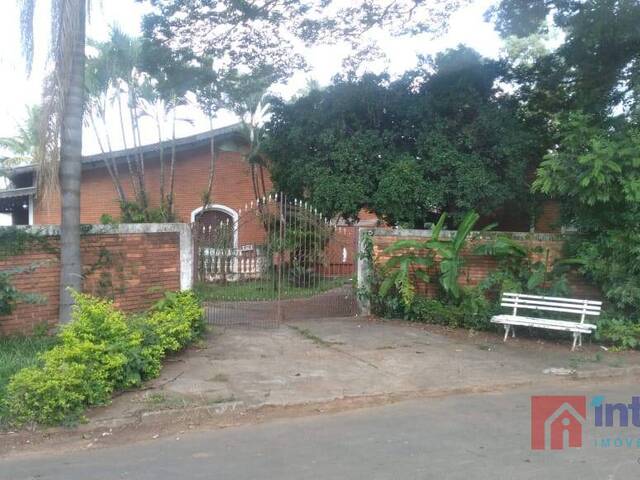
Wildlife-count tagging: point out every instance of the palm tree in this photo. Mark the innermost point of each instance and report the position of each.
(59, 155)
(97, 84)
(22, 147)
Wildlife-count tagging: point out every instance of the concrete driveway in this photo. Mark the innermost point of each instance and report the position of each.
(240, 376)
(318, 361)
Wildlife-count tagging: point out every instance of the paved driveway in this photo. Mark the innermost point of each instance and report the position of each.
(320, 361)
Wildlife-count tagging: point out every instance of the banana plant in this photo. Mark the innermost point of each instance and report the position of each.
(416, 256)
(399, 269)
(450, 252)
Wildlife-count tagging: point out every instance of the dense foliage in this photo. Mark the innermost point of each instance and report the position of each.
(98, 353)
(393, 286)
(588, 91)
(439, 262)
(448, 141)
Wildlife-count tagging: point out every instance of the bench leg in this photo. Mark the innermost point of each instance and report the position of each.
(575, 340)
(506, 332)
(513, 331)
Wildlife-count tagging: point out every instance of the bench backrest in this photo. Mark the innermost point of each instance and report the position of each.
(551, 304)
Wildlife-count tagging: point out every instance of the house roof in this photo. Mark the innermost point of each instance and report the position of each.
(17, 192)
(151, 150)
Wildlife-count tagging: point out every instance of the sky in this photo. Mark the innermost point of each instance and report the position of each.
(17, 90)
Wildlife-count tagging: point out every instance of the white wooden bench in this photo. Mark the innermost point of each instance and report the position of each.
(550, 304)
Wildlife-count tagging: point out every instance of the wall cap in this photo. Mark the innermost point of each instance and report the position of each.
(117, 229)
(403, 233)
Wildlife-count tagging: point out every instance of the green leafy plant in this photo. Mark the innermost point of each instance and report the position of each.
(177, 320)
(100, 352)
(400, 270)
(10, 296)
(622, 333)
(135, 212)
(13, 242)
(450, 252)
(520, 269)
(411, 258)
(107, 219)
(473, 310)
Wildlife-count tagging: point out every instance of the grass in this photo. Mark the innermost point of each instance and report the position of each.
(17, 353)
(309, 335)
(261, 290)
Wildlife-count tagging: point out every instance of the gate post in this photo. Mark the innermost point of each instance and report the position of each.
(186, 256)
(364, 272)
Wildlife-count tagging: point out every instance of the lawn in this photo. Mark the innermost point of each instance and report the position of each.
(262, 290)
(17, 353)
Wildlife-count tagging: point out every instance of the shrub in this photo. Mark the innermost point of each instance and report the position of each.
(48, 395)
(620, 333)
(472, 311)
(177, 320)
(98, 353)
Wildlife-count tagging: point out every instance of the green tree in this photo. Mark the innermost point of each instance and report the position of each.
(595, 172)
(586, 92)
(118, 86)
(61, 131)
(449, 140)
(599, 59)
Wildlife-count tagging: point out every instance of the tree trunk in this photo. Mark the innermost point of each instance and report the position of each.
(172, 167)
(71, 173)
(109, 162)
(161, 146)
(206, 199)
(132, 175)
(142, 187)
(114, 166)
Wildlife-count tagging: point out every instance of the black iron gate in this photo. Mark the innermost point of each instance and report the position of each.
(277, 260)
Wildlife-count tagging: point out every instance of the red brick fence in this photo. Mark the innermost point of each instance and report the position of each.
(133, 264)
(476, 267)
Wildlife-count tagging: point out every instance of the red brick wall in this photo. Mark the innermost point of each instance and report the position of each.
(135, 272)
(477, 267)
(232, 187)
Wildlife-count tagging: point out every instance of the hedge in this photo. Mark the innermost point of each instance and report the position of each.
(101, 351)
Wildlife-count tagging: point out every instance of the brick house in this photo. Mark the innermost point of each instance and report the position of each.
(232, 187)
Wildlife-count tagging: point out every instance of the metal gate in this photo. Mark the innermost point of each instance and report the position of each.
(278, 260)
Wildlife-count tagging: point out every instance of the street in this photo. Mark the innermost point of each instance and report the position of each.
(454, 437)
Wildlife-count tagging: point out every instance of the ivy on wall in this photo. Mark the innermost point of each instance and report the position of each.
(110, 269)
(14, 242)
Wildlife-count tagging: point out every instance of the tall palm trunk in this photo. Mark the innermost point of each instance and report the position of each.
(160, 140)
(109, 161)
(71, 172)
(132, 176)
(172, 167)
(206, 198)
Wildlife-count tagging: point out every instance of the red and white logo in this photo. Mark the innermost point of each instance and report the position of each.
(557, 421)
